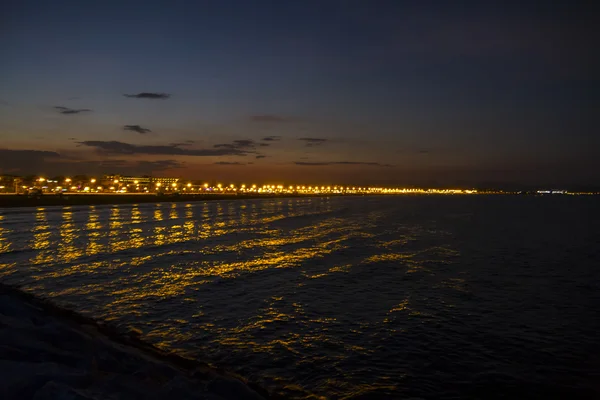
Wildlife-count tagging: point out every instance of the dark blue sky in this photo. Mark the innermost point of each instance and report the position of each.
(370, 91)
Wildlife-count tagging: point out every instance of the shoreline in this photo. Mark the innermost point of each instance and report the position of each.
(16, 201)
(81, 199)
(28, 316)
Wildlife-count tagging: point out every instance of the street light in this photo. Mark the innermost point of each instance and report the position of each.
(93, 180)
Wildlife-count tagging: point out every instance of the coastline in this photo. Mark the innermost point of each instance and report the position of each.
(52, 351)
(15, 201)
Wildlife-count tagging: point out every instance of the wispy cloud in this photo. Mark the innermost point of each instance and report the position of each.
(324, 163)
(260, 156)
(228, 163)
(271, 138)
(136, 128)
(67, 110)
(115, 147)
(148, 95)
(269, 118)
(160, 164)
(311, 142)
(237, 144)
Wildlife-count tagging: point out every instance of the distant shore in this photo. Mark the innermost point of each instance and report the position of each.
(67, 199)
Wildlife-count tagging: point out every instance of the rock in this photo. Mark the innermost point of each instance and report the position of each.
(58, 391)
(233, 389)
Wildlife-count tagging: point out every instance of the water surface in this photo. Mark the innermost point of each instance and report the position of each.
(362, 297)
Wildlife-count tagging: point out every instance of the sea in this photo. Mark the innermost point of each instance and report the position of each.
(374, 297)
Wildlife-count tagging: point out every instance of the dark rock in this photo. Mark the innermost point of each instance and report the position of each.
(233, 389)
(58, 391)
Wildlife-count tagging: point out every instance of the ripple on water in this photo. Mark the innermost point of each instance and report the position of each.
(433, 297)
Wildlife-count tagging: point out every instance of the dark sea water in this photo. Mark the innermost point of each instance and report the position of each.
(481, 297)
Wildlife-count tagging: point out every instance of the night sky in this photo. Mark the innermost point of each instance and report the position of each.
(366, 92)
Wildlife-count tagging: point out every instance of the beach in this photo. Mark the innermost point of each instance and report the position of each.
(49, 352)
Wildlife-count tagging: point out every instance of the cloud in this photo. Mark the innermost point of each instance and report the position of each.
(146, 95)
(269, 118)
(4, 153)
(184, 143)
(67, 110)
(115, 147)
(423, 151)
(324, 163)
(228, 163)
(237, 144)
(136, 128)
(160, 164)
(271, 138)
(311, 142)
(264, 144)
(260, 156)
(25, 161)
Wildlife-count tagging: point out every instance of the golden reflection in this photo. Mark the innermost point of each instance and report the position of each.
(67, 251)
(41, 230)
(41, 239)
(176, 233)
(189, 211)
(4, 243)
(136, 215)
(386, 257)
(205, 228)
(218, 223)
(189, 229)
(136, 238)
(117, 241)
(158, 215)
(173, 214)
(93, 229)
(160, 236)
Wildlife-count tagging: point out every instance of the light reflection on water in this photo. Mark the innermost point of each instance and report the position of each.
(340, 297)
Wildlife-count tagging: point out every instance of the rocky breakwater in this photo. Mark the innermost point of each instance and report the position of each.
(47, 352)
